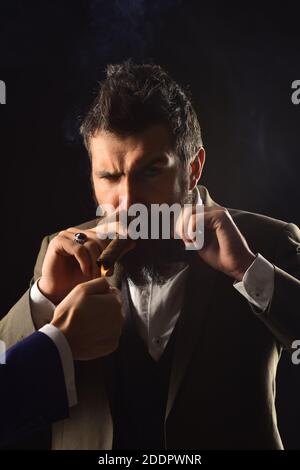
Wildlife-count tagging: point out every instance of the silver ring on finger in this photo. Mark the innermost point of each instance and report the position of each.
(80, 238)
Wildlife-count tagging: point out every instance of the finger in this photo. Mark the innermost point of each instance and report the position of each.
(188, 219)
(91, 234)
(65, 246)
(215, 218)
(93, 245)
(94, 252)
(101, 232)
(111, 306)
(95, 286)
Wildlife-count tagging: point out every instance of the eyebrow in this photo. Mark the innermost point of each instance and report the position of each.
(105, 173)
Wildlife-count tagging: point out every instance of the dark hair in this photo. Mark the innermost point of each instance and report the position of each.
(134, 97)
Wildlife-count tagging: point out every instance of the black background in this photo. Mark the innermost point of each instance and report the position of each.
(238, 62)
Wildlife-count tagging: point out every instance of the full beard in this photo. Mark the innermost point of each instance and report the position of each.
(156, 260)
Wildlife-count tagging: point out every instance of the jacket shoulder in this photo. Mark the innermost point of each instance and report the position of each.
(255, 220)
(264, 234)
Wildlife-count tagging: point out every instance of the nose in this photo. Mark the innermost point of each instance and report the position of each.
(129, 193)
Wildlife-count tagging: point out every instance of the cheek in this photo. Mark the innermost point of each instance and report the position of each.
(177, 182)
(168, 189)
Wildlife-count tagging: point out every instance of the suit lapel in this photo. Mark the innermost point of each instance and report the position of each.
(196, 307)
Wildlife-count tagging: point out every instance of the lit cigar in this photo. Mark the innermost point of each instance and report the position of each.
(116, 248)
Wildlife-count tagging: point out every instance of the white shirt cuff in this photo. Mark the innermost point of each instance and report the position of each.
(66, 358)
(257, 285)
(42, 309)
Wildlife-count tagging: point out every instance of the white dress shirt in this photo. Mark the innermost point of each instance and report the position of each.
(156, 309)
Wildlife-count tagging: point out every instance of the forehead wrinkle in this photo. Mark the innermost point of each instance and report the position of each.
(122, 154)
(136, 163)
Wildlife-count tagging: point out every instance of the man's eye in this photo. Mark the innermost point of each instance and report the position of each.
(110, 177)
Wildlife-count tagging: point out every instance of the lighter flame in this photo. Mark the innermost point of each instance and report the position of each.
(103, 271)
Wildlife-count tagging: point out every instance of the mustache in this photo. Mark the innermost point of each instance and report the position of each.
(153, 259)
(156, 250)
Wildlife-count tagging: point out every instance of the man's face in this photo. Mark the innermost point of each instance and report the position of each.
(140, 169)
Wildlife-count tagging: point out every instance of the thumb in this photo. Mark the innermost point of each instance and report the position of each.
(96, 286)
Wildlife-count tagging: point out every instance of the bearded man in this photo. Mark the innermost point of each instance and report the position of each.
(203, 330)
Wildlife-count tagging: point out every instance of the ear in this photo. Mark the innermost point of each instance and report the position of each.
(196, 166)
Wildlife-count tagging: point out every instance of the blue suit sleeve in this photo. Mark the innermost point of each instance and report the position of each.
(32, 388)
